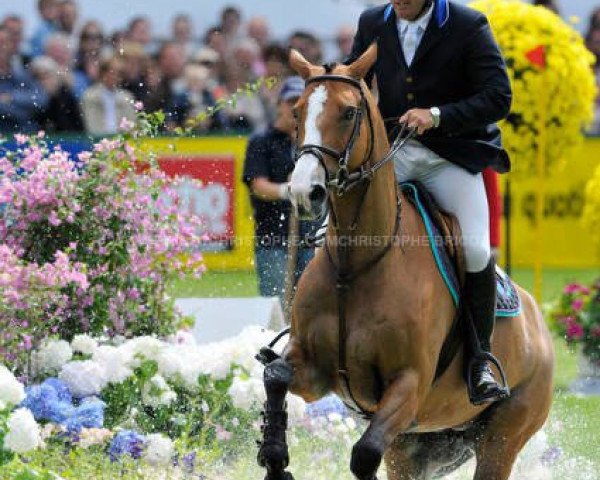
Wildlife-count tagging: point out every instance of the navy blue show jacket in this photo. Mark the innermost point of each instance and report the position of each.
(457, 67)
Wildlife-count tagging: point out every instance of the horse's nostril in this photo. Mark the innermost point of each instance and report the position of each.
(317, 194)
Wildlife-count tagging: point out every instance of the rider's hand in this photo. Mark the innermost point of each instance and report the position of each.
(419, 118)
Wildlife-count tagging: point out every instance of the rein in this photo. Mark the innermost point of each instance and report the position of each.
(343, 181)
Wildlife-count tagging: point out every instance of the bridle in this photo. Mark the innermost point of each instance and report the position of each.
(342, 181)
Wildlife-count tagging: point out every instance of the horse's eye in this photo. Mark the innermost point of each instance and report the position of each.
(349, 113)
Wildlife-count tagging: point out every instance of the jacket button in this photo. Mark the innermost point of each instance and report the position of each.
(410, 97)
(409, 79)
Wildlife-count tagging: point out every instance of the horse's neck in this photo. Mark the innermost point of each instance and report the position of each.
(376, 220)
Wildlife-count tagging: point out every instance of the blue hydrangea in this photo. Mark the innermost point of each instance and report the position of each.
(126, 442)
(90, 414)
(44, 402)
(61, 388)
(326, 406)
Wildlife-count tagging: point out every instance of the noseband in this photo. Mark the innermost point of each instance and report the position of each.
(343, 180)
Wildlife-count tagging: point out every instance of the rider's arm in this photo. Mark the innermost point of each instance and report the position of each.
(486, 73)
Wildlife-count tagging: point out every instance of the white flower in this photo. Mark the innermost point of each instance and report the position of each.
(148, 347)
(84, 378)
(248, 393)
(84, 344)
(157, 393)
(11, 390)
(159, 450)
(170, 361)
(23, 432)
(115, 362)
(52, 356)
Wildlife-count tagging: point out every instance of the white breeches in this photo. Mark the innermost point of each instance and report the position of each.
(456, 191)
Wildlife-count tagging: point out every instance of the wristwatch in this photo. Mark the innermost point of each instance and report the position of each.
(436, 115)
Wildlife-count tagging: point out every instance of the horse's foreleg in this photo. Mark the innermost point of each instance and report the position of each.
(273, 451)
(395, 413)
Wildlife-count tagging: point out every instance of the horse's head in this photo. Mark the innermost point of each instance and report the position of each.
(333, 140)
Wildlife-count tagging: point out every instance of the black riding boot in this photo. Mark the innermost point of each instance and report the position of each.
(480, 290)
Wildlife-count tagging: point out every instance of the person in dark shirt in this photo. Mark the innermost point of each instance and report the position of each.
(269, 162)
(62, 113)
(21, 98)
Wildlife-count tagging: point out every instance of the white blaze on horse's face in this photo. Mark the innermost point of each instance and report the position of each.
(307, 185)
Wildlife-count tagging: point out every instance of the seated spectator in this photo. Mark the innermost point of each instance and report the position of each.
(104, 104)
(182, 33)
(592, 41)
(215, 40)
(21, 98)
(62, 113)
(248, 114)
(170, 96)
(200, 97)
(14, 26)
(246, 54)
(49, 11)
(276, 66)
(258, 30)
(344, 40)
(308, 45)
(139, 31)
(134, 63)
(87, 60)
(231, 21)
(58, 48)
(67, 19)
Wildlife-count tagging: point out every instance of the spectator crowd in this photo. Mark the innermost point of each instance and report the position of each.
(73, 76)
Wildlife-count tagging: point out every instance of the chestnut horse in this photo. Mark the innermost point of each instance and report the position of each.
(397, 311)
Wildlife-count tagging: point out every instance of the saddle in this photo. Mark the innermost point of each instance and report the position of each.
(445, 240)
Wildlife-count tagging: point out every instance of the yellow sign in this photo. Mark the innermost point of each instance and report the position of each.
(566, 243)
(240, 255)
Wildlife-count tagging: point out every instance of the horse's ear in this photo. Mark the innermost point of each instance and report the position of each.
(300, 64)
(363, 64)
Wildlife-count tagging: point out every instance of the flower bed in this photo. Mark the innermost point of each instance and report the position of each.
(173, 403)
(576, 318)
(87, 245)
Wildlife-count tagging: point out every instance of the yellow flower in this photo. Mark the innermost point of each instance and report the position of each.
(566, 85)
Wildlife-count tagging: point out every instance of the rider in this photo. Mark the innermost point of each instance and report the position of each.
(440, 70)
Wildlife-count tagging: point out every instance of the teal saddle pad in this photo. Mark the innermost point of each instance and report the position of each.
(508, 303)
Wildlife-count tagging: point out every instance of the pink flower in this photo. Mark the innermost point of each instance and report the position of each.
(20, 138)
(572, 288)
(126, 125)
(84, 156)
(41, 134)
(139, 106)
(577, 304)
(222, 434)
(595, 332)
(53, 219)
(574, 331)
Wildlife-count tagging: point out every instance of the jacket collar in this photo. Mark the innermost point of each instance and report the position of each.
(436, 30)
(441, 12)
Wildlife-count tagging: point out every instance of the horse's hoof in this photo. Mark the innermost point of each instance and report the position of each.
(279, 476)
(273, 455)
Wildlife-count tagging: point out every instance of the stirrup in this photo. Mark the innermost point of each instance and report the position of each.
(500, 393)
